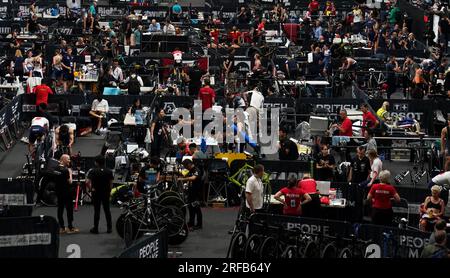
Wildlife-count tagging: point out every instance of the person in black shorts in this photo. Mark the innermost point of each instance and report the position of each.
(101, 180)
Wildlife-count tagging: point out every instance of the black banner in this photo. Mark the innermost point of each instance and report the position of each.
(148, 247)
(16, 197)
(314, 226)
(29, 237)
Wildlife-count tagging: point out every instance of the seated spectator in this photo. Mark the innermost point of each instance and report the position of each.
(432, 209)
(169, 28)
(383, 112)
(380, 196)
(294, 198)
(154, 26)
(325, 165)
(438, 249)
(345, 128)
(99, 111)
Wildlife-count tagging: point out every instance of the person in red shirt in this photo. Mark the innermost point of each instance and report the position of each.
(214, 33)
(262, 26)
(235, 36)
(369, 120)
(308, 185)
(293, 197)
(380, 195)
(345, 128)
(42, 91)
(314, 7)
(207, 95)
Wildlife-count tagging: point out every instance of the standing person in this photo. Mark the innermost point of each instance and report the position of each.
(359, 172)
(293, 197)
(42, 91)
(101, 180)
(194, 194)
(158, 132)
(371, 142)
(369, 120)
(207, 95)
(325, 165)
(64, 195)
(288, 149)
(68, 65)
(17, 64)
(445, 143)
(360, 167)
(380, 195)
(376, 167)
(391, 68)
(254, 190)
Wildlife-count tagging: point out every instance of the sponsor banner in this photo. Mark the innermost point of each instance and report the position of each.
(29, 237)
(148, 247)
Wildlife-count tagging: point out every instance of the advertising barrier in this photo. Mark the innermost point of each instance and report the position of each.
(259, 222)
(29, 237)
(152, 246)
(16, 197)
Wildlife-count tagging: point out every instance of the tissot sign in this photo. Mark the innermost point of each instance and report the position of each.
(403, 110)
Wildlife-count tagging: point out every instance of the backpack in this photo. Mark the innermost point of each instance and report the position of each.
(134, 87)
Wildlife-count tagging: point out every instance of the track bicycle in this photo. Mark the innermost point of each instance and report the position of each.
(148, 214)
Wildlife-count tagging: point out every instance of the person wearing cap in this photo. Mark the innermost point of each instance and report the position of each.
(432, 209)
(195, 188)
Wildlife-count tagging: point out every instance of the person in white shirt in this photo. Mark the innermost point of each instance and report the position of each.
(376, 166)
(254, 190)
(256, 104)
(38, 130)
(100, 108)
(169, 29)
(441, 179)
(116, 74)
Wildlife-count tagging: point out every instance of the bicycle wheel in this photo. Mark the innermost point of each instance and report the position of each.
(172, 218)
(346, 253)
(289, 253)
(168, 193)
(173, 201)
(180, 237)
(120, 225)
(268, 249)
(129, 231)
(238, 246)
(311, 250)
(329, 252)
(48, 197)
(252, 247)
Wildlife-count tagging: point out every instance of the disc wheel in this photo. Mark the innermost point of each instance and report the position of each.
(289, 253)
(329, 252)
(238, 246)
(48, 191)
(311, 251)
(180, 237)
(252, 247)
(268, 249)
